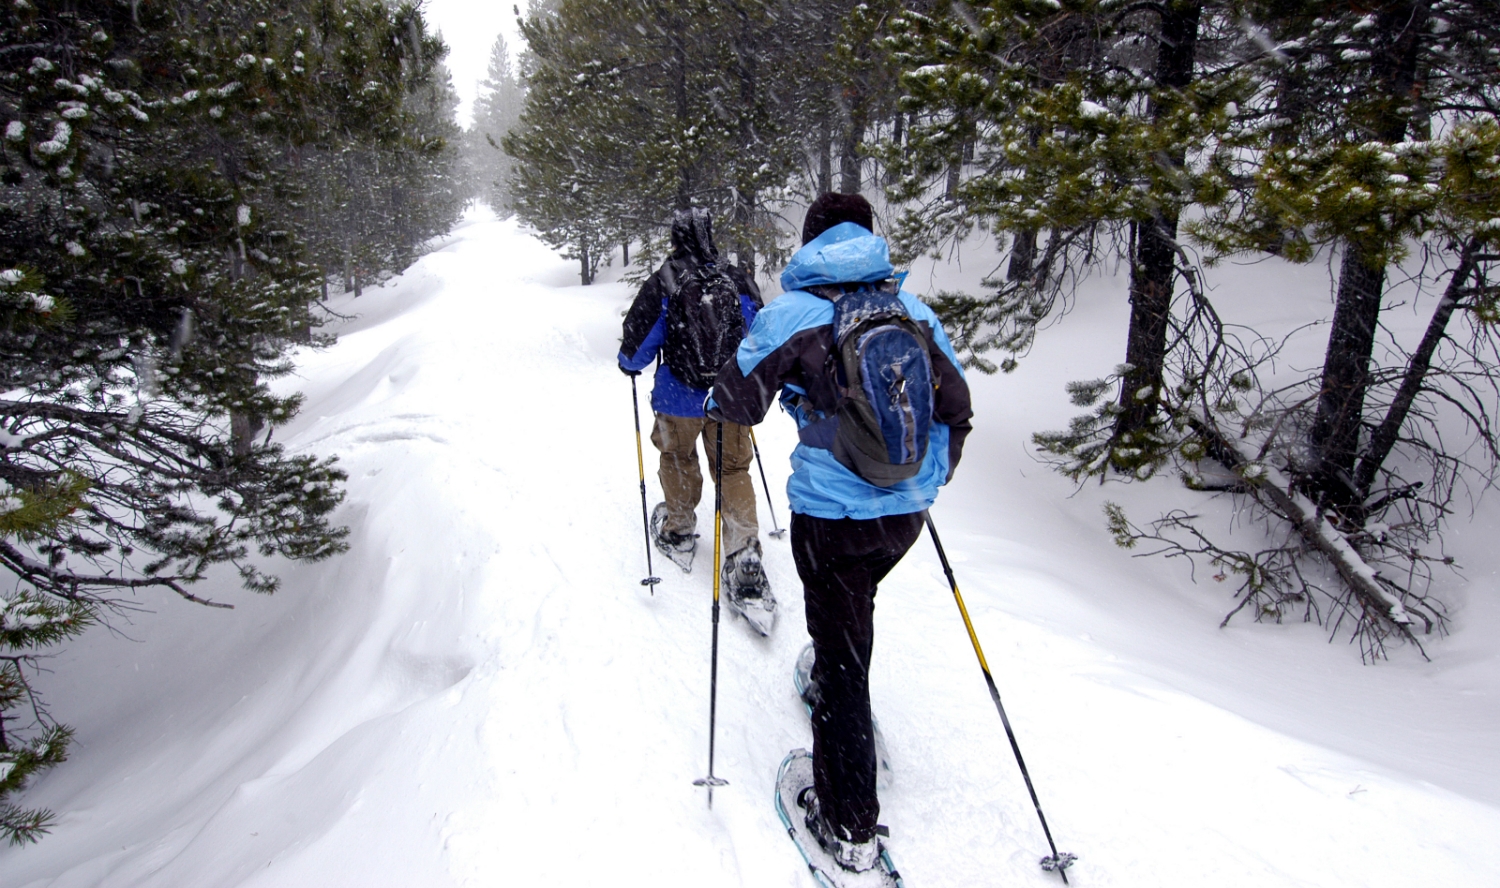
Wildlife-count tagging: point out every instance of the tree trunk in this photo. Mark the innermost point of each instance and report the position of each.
(1346, 377)
(679, 89)
(850, 178)
(745, 215)
(825, 157)
(242, 431)
(586, 271)
(1023, 244)
(1153, 264)
(625, 253)
(748, 71)
(898, 138)
(1356, 315)
(1151, 287)
(1022, 255)
(1385, 434)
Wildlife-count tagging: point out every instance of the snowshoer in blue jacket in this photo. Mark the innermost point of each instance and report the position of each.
(847, 533)
(680, 421)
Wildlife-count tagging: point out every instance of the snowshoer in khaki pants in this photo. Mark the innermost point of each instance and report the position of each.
(682, 481)
(660, 324)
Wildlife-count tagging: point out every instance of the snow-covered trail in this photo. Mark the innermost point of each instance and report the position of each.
(480, 693)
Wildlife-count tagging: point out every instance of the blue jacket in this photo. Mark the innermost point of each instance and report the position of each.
(646, 332)
(788, 353)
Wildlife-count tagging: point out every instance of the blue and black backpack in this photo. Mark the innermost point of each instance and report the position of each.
(883, 375)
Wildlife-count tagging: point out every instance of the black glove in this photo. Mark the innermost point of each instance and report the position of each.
(629, 372)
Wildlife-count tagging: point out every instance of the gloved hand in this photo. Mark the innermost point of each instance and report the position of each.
(628, 372)
(711, 410)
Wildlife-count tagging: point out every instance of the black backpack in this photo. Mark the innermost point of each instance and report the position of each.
(883, 374)
(704, 325)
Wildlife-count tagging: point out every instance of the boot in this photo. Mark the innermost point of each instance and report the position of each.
(854, 856)
(748, 590)
(679, 547)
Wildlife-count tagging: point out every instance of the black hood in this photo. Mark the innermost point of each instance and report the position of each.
(693, 236)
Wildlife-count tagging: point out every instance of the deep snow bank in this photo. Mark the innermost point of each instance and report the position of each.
(480, 692)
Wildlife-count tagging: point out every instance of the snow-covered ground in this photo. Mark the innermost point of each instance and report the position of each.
(481, 693)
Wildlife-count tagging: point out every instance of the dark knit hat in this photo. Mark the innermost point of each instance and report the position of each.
(832, 208)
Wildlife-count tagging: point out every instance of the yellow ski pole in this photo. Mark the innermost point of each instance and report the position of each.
(713, 675)
(1057, 862)
(640, 461)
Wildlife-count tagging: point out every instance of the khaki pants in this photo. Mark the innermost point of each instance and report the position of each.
(682, 482)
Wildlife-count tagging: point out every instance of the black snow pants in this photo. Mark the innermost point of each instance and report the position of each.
(840, 563)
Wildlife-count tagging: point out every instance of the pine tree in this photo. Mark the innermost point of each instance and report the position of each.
(156, 229)
(1076, 119)
(497, 111)
(633, 110)
(368, 191)
(1376, 142)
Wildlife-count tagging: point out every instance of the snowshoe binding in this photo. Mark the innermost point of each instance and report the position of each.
(802, 679)
(748, 590)
(679, 547)
(834, 862)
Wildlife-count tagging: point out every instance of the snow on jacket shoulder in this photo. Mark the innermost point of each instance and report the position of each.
(645, 332)
(788, 353)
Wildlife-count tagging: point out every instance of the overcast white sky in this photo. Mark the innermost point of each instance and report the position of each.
(469, 28)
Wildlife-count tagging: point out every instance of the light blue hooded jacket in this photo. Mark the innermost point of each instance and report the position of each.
(786, 353)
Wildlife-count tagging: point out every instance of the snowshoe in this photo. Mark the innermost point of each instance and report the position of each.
(748, 590)
(858, 857)
(802, 678)
(793, 799)
(679, 547)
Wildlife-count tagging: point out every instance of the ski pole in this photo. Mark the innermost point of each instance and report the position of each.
(778, 533)
(713, 670)
(640, 461)
(1058, 862)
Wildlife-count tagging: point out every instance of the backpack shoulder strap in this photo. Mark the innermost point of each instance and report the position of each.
(835, 292)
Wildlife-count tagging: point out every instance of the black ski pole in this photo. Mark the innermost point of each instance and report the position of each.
(1058, 862)
(713, 670)
(778, 533)
(640, 461)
